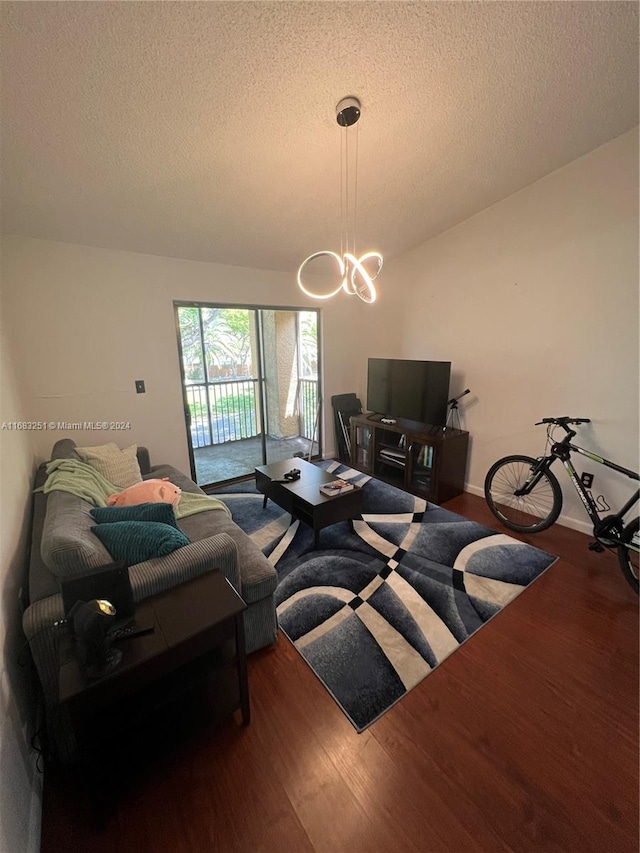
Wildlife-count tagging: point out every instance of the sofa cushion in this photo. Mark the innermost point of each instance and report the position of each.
(143, 460)
(258, 578)
(119, 467)
(175, 476)
(136, 512)
(65, 448)
(137, 541)
(68, 547)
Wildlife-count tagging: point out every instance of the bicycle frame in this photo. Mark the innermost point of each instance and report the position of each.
(611, 526)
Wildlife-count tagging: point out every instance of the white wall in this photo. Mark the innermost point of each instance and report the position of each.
(92, 321)
(535, 302)
(20, 783)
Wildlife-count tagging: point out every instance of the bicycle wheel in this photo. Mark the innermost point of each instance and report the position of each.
(529, 513)
(627, 555)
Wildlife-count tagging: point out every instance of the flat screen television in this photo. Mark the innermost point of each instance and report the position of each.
(415, 390)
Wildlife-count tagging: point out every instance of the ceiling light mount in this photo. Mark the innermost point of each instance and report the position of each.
(354, 276)
(348, 112)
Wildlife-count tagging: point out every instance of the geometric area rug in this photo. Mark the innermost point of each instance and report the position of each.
(374, 611)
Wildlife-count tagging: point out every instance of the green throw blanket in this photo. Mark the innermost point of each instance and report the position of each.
(78, 478)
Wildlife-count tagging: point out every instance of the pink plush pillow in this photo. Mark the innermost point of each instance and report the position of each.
(148, 491)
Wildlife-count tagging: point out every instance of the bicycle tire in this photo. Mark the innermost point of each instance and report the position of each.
(529, 513)
(627, 558)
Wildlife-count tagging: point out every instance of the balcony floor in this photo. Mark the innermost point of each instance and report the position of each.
(235, 459)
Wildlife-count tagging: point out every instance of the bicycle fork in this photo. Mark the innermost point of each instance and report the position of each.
(542, 465)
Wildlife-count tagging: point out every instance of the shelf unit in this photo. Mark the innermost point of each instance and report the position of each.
(423, 459)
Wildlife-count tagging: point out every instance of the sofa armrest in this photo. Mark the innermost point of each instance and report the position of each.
(44, 627)
(161, 573)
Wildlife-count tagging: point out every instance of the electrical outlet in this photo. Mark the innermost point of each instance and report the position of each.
(140, 386)
(586, 480)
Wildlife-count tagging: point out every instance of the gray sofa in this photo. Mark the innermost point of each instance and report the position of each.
(62, 545)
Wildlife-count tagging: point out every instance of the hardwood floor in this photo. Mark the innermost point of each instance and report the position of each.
(525, 739)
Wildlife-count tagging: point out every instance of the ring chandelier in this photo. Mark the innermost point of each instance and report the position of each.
(355, 275)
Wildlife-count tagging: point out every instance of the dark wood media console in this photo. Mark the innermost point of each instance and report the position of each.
(423, 459)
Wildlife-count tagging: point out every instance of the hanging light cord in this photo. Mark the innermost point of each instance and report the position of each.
(342, 201)
(346, 185)
(348, 199)
(355, 193)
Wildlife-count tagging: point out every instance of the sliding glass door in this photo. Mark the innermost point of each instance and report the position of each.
(250, 379)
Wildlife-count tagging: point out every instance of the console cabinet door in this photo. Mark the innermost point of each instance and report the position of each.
(421, 478)
(362, 449)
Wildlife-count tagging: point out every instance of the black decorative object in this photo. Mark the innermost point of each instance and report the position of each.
(91, 623)
(453, 418)
(344, 406)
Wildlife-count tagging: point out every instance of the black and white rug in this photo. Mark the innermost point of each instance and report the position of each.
(374, 611)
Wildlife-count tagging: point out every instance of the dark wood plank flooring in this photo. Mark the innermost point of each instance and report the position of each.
(525, 739)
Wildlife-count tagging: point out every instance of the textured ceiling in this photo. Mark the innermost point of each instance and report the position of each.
(207, 130)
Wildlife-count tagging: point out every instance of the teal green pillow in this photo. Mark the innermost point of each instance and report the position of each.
(137, 541)
(137, 512)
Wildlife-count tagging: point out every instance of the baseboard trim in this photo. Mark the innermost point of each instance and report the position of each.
(35, 813)
(564, 520)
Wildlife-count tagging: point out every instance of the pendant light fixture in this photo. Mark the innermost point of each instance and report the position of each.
(354, 275)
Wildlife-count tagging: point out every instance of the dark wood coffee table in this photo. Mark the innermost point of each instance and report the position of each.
(303, 498)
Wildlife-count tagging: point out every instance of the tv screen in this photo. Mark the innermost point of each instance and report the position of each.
(415, 390)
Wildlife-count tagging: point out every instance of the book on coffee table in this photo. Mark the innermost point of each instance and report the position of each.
(336, 487)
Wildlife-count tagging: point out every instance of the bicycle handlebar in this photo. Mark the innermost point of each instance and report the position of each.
(564, 421)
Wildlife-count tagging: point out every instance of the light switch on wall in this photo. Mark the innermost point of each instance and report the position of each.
(140, 386)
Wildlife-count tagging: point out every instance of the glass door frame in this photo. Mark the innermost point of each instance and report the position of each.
(259, 332)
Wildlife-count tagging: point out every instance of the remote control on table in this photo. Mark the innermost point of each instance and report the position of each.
(132, 630)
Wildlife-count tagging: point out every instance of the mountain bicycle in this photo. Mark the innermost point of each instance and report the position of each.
(526, 496)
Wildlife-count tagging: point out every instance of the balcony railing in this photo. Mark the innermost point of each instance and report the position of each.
(308, 407)
(223, 411)
(227, 410)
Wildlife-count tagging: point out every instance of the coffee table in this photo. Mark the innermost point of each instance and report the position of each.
(303, 498)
